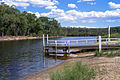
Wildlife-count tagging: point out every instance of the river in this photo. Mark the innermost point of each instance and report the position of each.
(25, 57)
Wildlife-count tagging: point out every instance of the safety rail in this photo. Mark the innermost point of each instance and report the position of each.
(81, 43)
(70, 42)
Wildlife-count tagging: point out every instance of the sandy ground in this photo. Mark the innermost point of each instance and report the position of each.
(9, 38)
(107, 68)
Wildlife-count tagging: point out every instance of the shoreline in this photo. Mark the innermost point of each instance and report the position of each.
(105, 64)
(12, 38)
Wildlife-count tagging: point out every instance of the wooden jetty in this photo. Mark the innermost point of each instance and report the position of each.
(67, 45)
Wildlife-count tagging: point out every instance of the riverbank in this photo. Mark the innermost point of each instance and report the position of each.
(108, 67)
(10, 38)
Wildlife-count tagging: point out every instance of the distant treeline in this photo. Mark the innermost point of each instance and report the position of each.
(90, 31)
(15, 23)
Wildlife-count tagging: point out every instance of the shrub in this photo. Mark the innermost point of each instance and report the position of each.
(77, 72)
(114, 53)
(98, 54)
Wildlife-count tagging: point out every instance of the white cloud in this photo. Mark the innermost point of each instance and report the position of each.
(113, 13)
(72, 6)
(51, 7)
(36, 13)
(113, 20)
(114, 5)
(92, 3)
(88, 21)
(82, 27)
(84, 0)
(11, 2)
(26, 3)
(83, 17)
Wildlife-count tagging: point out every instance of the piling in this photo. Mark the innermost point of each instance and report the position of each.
(55, 51)
(100, 46)
(43, 51)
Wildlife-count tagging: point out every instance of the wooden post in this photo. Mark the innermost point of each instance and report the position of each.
(100, 47)
(109, 34)
(47, 39)
(43, 51)
(68, 43)
(86, 42)
(77, 42)
(43, 43)
(56, 51)
(106, 42)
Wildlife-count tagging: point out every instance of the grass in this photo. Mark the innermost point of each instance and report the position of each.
(77, 72)
(112, 53)
(99, 54)
(115, 35)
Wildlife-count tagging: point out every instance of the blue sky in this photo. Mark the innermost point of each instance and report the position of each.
(78, 13)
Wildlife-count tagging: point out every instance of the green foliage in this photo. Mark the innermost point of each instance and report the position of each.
(77, 72)
(115, 35)
(99, 54)
(13, 22)
(113, 53)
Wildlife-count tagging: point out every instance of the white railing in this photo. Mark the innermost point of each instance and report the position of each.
(100, 41)
(72, 42)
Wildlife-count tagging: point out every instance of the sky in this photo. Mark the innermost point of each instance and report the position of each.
(77, 13)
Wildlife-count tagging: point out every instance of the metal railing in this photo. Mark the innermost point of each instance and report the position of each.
(99, 41)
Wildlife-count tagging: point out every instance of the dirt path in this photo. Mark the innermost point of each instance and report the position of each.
(108, 68)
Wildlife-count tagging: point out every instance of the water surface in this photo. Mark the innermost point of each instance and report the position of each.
(25, 57)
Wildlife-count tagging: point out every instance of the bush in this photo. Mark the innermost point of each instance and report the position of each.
(113, 54)
(76, 72)
(98, 54)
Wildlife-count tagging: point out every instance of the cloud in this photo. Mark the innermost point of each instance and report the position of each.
(84, 0)
(72, 6)
(75, 16)
(51, 7)
(36, 13)
(113, 20)
(26, 3)
(11, 2)
(92, 3)
(88, 21)
(82, 27)
(114, 5)
(113, 13)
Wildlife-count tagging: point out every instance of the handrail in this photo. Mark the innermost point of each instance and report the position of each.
(74, 40)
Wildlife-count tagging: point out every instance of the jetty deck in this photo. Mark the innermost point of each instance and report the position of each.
(67, 45)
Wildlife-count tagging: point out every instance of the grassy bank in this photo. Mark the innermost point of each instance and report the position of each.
(115, 35)
(77, 72)
(110, 53)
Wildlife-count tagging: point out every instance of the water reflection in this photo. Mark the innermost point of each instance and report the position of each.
(21, 58)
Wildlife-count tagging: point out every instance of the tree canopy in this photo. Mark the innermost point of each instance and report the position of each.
(16, 23)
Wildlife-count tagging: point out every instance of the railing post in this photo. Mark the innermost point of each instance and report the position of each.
(77, 42)
(100, 46)
(43, 51)
(56, 51)
(68, 43)
(109, 40)
(47, 39)
(43, 43)
(106, 42)
(86, 42)
(56, 46)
